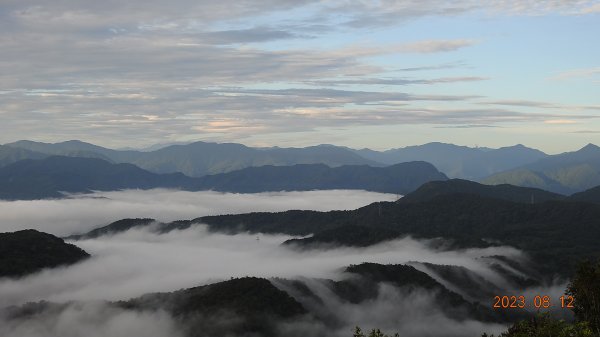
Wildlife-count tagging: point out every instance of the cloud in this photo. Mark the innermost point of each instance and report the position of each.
(407, 312)
(577, 73)
(362, 14)
(92, 320)
(396, 81)
(81, 214)
(137, 262)
(591, 9)
(560, 121)
(468, 126)
(586, 131)
(126, 73)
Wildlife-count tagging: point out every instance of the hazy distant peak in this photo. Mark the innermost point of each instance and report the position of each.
(589, 147)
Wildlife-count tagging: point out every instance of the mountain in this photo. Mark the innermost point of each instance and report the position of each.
(565, 173)
(252, 306)
(433, 189)
(29, 251)
(357, 236)
(556, 234)
(459, 161)
(71, 148)
(10, 155)
(555, 231)
(113, 228)
(49, 177)
(202, 158)
(591, 195)
(400, 178)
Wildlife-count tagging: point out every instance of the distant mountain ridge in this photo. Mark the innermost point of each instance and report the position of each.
(459, 161)
(50, 177)
(202, 158)
(564, 173)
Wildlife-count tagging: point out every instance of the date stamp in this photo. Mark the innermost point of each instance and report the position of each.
(537, 302)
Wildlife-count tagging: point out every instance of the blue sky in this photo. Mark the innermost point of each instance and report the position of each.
(378, 74)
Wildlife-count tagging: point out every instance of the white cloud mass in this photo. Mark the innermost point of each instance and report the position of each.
(140, 261)
(80, 214)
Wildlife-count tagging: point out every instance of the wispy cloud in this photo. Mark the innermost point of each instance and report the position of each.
(577, 73)
(560, 121)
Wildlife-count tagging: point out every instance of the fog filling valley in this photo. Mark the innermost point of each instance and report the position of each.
(81, 213)
(140, 261)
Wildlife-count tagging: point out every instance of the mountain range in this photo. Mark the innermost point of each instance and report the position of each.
(555, 230)
(201, 158)
(565, 173)
(459, 161)
(51, 177)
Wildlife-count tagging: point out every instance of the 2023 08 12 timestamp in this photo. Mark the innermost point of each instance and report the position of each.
(537, 302)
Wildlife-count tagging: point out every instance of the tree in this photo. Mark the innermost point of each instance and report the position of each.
(543, 325)
(585, 289)
(374, 333)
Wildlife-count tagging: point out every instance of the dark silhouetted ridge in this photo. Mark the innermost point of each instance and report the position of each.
(29, 251)
(433, 189)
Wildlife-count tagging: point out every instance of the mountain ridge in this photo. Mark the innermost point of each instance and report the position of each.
(52, 176)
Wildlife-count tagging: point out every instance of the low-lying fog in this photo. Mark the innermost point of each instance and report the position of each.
(83, 213)
(139, 261)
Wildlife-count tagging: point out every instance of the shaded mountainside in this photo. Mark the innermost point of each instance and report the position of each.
(434, 189)
(357, 236)
(566, 173)
(401, 178)
(243, 306)
(364, 282)
(29, 251)
(49, 177)
(252, 306)
(118, 226)
(556, 234)
(246, 306)
(459, 161)
(124, 225)
(202, 158)
(9, 155)
(591, 195)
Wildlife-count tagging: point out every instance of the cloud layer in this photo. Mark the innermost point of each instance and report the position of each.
(80, 214)
(125, 74)
(139, 261)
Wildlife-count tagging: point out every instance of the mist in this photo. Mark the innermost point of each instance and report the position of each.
(81, 213)
(140, 261)
(91, 320)
(413, 312)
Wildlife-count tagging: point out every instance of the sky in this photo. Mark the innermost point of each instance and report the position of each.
(378, 74)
